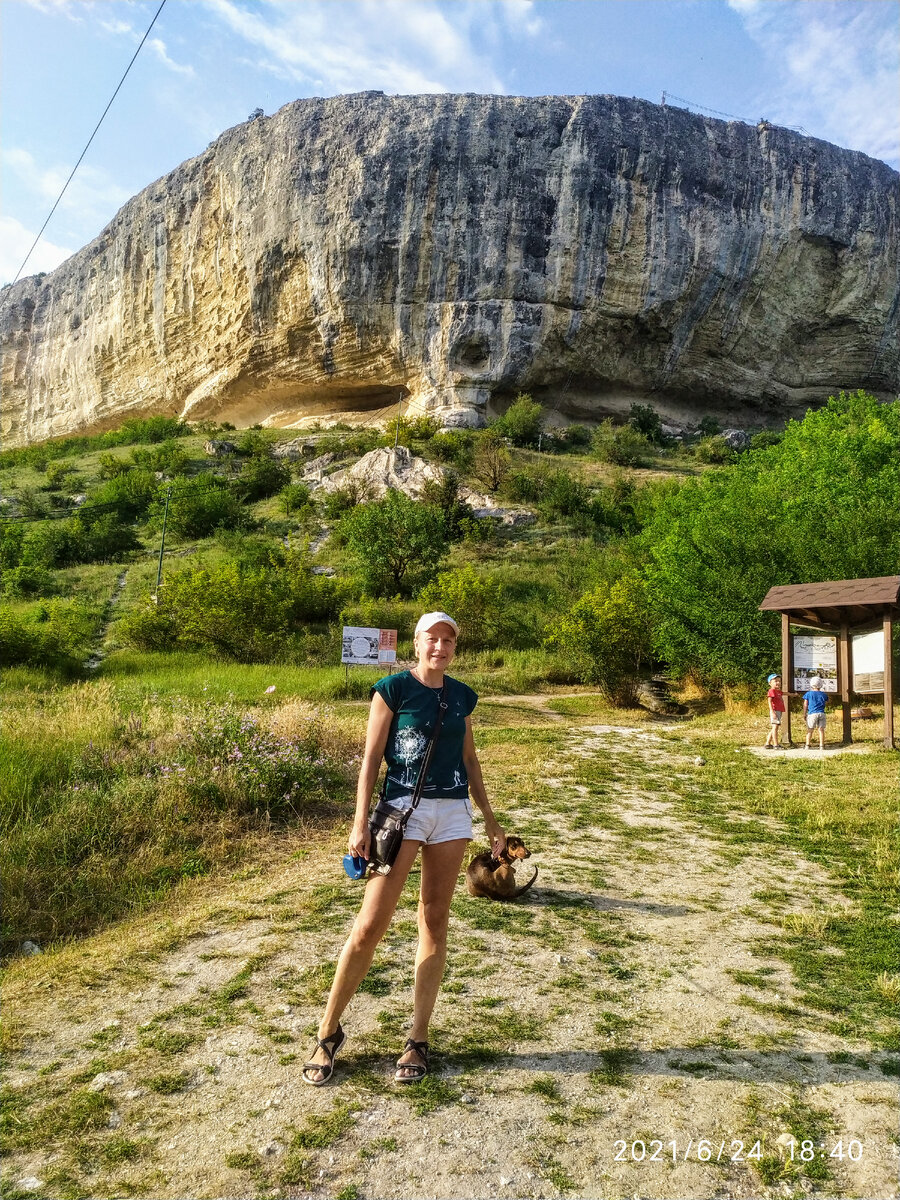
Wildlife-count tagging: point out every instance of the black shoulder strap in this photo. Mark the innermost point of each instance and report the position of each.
(426, 760)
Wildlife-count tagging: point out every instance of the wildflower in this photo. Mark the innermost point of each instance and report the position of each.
(270, 690)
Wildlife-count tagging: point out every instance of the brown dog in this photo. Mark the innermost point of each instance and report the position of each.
(495, 878)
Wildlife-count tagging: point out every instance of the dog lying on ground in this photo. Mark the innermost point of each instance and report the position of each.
(495, 878)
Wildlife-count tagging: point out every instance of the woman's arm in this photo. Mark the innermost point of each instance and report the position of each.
(478, 793)
(380, 717)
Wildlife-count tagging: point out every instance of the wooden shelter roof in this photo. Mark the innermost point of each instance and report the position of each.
(854, 602)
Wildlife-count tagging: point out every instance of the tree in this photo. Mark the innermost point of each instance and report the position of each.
(522, 422)
(200, 506)
(822, 504)
(475, 602)
(606, 637)
(262, 476)
(491, 459)
(397, 543)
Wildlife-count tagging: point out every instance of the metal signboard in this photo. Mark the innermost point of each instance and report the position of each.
(364, 647)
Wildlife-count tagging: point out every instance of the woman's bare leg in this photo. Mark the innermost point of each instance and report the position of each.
(378, 907)
(440, 871)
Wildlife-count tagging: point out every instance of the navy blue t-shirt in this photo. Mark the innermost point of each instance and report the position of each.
(415, 709)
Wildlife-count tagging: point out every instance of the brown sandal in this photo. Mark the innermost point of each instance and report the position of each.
(419, 1070)
(330, 1045)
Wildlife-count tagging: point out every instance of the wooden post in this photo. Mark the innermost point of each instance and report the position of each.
(787, 673)
(888, 686)
(844, 682)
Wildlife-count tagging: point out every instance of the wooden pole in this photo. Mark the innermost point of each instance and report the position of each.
(888, 686)
(787, 673)
(844, 682)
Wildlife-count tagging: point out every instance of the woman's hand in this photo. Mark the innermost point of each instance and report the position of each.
(360, 840)
(497, 836)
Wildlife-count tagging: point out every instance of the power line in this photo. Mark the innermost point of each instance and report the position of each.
(87, 144)
(731, 116)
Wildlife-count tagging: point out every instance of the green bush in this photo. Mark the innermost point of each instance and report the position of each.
(135, 430)
(606, 637)
(167, 456)
(455, 447)
(262, 476)
(242, 611)
(349, 443)
(397, 543)
(57, 471)
(492, 460)
(573, 437)
(132, 493)
(111, 465)
(89, 536)
(714, 450)
(293, 497)
(646, 420)
(200, 506)
(25, 582)
(475, 602)
(12, 538)
(407, 430)
(620, 445)
(57, 634)
(522, 422)
(32, 503)
(444, 494)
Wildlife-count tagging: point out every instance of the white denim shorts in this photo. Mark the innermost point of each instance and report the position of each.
(815, 720)
(438, 819)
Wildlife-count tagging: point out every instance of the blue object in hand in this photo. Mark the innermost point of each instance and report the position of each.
(355, 867)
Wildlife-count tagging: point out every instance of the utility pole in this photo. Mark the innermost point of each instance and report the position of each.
(162, 546)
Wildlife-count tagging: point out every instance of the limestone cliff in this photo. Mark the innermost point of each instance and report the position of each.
(593, 250)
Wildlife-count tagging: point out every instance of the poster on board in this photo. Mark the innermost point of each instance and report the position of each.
(815, 654)
(364, 647)
(359, 646)
(867, 657)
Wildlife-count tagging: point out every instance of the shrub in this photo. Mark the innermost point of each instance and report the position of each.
(454, 446)
(200, 506)
(406, 430)
(57, 472)
(293, 497)
(646, 420)
(714, 450)
(765, 438)
(709, 426)
(564, 497)
(89, 536)
(349, 443)
(262, 476)
(32, 503)
(132, 493)
(335, 503)
(445, 496)
(397, 543)
(574, 437)
(620, 445)
(476, 603)
(57, 634)
(245, 612)
(491, 459)
(168, 456)
(23, 583)
(522, 422)
(111, 465)
(606, 636)
(12, 537)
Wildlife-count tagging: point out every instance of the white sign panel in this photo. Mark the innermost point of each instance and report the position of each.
(362, 647)
(815, 654)
(867, 651)
(359, 646)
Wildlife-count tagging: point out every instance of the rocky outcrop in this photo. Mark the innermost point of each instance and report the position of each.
(453, 249)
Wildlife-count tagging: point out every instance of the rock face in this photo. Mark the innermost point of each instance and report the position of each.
(455, 249)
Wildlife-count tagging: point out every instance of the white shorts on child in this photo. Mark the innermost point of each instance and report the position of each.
(815, 720)
(775, 718)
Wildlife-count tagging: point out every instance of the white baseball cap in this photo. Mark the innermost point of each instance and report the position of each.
(435, 618)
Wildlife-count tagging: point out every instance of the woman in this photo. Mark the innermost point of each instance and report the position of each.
(401, 718)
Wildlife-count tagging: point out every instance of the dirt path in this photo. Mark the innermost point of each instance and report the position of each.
(600, 1038)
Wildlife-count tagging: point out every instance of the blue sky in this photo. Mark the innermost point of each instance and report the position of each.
(828, 67)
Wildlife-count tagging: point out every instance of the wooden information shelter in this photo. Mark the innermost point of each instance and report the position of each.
(843, 608)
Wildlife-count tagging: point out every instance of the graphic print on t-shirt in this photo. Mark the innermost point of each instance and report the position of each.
(408, 747)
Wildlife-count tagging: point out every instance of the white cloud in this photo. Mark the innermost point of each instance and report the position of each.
(159, 48)
(521, 17)
(387, 45)
(91, 199)
(16, 241)
(839, 61)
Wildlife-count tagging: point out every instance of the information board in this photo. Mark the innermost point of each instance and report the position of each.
(815, 654)
(867, 657)
(365, 647)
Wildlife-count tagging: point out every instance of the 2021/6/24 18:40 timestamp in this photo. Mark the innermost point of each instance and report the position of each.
(714, 1150)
